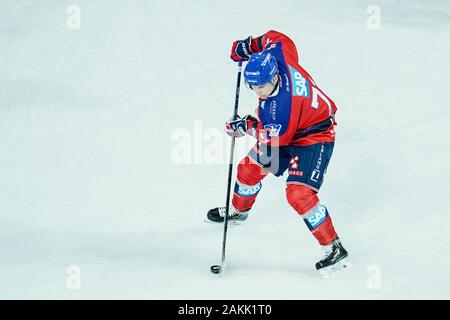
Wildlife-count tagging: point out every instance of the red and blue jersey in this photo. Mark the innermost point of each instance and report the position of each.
(300, 113)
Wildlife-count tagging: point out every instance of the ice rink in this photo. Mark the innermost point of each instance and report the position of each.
(112, 150)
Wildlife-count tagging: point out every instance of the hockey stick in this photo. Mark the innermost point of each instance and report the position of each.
(216, 268)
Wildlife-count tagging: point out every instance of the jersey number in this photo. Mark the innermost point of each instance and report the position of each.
(316, 93)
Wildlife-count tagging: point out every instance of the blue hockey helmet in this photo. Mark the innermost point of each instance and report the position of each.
(260, 69)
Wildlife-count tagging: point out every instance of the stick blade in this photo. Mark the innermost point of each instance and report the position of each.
(216, 269)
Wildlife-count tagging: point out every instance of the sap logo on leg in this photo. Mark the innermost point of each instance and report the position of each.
(247, 191)
(299, 83)
(316, 217)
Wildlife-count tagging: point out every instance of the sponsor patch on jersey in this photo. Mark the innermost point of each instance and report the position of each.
(299, 83)
(316, 217)
(315, 175)
(272, 129)
(273, 109)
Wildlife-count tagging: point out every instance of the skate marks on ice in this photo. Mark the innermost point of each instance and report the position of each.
(337, 268)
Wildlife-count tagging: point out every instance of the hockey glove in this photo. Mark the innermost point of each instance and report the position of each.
(242, 50)
(240, 126)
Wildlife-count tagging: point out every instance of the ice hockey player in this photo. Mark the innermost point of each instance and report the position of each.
(294, 128)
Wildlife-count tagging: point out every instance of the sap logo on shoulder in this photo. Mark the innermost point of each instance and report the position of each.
(299, 83)
(272, 129)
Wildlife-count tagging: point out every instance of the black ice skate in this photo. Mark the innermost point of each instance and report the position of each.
(218, 215)
(335, 259)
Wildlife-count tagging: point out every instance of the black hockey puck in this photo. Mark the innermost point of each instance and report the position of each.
(216, 269)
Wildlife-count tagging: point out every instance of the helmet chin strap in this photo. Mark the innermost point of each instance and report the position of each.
(276, 88)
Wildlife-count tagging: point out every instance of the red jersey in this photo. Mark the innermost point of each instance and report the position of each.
(299, 112)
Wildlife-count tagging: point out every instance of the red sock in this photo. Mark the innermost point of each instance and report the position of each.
(248, 184)
(306, 203)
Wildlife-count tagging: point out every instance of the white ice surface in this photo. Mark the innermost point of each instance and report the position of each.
(86, 170)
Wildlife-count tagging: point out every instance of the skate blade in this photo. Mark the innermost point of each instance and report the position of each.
(337, 268)
(232, 222)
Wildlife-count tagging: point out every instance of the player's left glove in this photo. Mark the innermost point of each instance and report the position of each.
(242, 50)
(240, 126)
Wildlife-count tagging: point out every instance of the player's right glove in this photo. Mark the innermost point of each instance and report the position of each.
(242, 50)
(240, 126)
